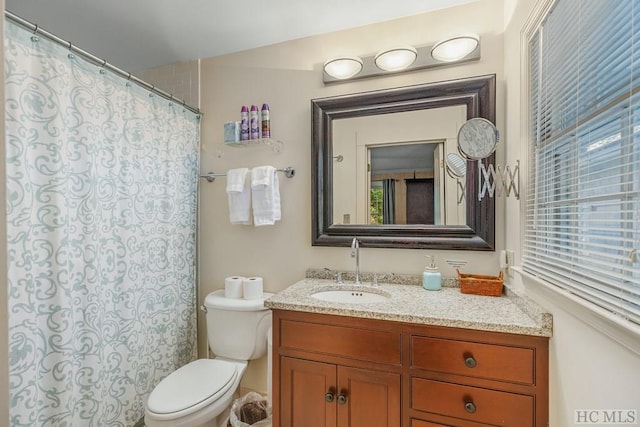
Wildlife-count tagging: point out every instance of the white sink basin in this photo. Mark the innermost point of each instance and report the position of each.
(349, 296)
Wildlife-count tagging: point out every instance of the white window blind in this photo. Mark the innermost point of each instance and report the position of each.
(582, 230)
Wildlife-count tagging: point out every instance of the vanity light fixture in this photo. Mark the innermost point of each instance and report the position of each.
(343, 67)
(462, 48)
(396, 59)
(455, 48)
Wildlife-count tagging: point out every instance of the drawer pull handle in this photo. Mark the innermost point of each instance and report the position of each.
(342, 399)
(329, 397)
(470, 362)
(470, 407)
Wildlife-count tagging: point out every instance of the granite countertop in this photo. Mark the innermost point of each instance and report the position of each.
(409, 302)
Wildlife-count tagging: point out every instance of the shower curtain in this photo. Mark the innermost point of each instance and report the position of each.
(101, 210)
(389, 201)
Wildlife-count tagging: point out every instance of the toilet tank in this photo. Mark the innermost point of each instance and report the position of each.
(237, 328)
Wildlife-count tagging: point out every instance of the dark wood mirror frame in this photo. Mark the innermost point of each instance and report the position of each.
(479, 96)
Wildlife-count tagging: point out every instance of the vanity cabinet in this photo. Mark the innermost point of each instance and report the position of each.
(340, 371)
(322, 394)
(335, 371)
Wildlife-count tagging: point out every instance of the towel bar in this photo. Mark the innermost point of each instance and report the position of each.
(289, 172)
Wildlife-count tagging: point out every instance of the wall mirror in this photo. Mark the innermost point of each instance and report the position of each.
(378, 169)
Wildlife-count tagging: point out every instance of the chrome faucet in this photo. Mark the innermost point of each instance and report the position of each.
(355, 253)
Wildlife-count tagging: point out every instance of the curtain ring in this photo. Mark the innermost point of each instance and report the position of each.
(34, 37)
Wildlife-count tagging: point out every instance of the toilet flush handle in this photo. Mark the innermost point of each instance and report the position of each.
(203, 308)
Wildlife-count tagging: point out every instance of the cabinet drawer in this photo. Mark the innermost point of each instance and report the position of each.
(352, 343)
(419, 423)
(481, 405)
(498, 362)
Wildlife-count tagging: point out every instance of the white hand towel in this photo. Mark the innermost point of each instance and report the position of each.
(239, 196)
(265, 195)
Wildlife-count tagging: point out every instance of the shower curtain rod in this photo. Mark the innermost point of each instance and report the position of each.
(95, 60)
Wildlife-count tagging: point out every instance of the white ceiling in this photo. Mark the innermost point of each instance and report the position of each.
(139, 34)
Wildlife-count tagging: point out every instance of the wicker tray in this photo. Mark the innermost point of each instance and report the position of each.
(480, 285)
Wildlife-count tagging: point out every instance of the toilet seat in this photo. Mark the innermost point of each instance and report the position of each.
(191, 388)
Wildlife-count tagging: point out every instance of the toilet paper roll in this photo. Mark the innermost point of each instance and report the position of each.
(252, 287)
(233, 286)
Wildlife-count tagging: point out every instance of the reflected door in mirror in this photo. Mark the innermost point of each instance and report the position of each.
(420, 201)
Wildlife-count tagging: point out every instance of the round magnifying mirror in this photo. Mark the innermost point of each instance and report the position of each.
(456, 165)
(477, 138)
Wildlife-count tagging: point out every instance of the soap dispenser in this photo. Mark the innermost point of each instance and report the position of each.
(431, 278)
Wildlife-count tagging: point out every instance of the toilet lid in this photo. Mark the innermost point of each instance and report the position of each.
(191, 385)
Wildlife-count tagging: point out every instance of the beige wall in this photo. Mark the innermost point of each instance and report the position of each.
(588, 369)
(287, 76)
(180, 80)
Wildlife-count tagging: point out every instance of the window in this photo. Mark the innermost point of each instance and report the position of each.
(582, 230)
(376, 208)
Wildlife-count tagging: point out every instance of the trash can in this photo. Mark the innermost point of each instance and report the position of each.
(251, 410)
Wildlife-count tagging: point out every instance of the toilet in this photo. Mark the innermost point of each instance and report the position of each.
(198, 392)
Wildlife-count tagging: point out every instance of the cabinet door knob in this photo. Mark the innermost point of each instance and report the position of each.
(342, 399)
(329, 397)
(470, 362)
(470, 407)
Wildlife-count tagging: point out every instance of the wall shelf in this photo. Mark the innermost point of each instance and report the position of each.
(275, 145)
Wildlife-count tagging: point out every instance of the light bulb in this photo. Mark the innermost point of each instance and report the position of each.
(344, 67)
(456, 48)
(396, 59)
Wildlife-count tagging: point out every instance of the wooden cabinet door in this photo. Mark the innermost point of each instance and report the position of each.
(372, 398)
(303, 388)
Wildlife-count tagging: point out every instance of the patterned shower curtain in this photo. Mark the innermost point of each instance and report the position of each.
(101, 210)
